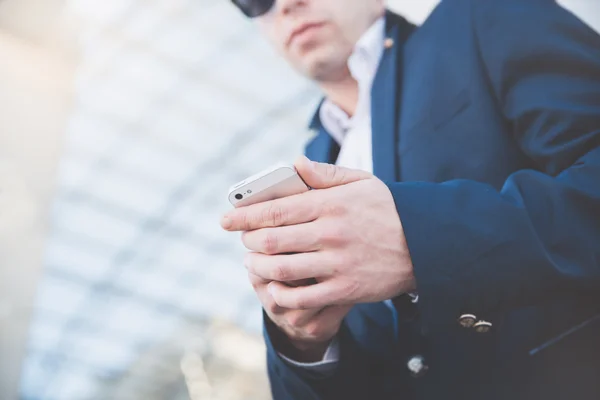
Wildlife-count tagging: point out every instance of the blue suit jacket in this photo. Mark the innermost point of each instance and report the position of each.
(486, 128)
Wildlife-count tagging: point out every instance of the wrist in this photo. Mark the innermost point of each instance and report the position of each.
(302, 351)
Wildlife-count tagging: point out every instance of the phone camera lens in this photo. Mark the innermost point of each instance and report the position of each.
(239, 196)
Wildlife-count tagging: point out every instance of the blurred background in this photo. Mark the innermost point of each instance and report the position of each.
(122, 124)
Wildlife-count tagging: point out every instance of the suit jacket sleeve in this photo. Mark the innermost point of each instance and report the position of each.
(353, 378)
(479, 250)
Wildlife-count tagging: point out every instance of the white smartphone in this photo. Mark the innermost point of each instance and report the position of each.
(279, 181)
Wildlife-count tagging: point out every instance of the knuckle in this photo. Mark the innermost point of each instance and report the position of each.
(301, 304)
(274, 215)
(245, 222)
(341, 174)
(336, 209)
(333, 235)
(293, 320)
(270, 243)
(314, 330)
(330, 171)
(281, 272)
(271, 307)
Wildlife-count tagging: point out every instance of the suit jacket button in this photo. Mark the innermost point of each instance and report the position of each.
(482, 327)
(467, 320)
(388, 43)
(417, 367)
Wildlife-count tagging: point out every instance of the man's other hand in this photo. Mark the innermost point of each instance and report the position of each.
(308, 332)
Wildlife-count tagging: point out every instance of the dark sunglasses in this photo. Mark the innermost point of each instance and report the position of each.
(254, 8)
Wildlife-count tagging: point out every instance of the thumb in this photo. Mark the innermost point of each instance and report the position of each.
(323, 176)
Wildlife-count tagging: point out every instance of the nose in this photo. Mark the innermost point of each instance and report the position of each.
(290, 6)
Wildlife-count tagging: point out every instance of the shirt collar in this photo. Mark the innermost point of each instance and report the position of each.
(363, 64)
(367, 52)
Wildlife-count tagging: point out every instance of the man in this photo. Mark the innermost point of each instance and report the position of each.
(467, 264)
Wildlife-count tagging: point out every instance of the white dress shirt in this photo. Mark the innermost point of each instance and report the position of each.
(353, 134)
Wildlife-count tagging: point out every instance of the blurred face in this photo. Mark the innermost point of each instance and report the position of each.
(318, 36)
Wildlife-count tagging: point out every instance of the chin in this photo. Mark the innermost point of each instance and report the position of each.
(324, 65)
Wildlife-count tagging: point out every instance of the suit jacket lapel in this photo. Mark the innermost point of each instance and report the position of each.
(322, 148)
(385, 94)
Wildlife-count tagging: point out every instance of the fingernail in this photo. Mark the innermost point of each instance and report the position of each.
(271, 289)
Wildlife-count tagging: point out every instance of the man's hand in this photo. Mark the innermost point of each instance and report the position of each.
(346, 233)
(309, 332)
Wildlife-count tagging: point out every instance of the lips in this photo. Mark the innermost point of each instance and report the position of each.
(301, 29)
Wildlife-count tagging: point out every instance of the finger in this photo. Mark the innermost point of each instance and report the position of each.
(290, 210)
(260, 288)
(326, 323)
(284, 239)
(329, 292)
(290, 267)
(323, 176)
(297, 319)
(260, 283)
(257, 282)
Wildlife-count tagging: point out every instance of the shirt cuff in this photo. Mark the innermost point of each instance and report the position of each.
(326, 365)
